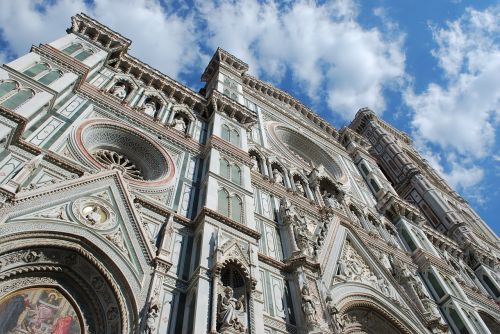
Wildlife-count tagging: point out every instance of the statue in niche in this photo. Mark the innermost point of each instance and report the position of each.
(149, 108)
(150, 327)
(337, 322)
(308, 306)
(255, 163)
(330, 200)
(119, 90)
(228, 311)
(299, 187)
(179, 124)
(278, 178)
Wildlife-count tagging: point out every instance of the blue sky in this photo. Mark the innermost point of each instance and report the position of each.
(431, 68)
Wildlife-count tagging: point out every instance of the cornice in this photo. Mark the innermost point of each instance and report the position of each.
(219, 102)
(162, 210)
(278, 94)
(206, 212)
(108, 102)
(365, 115)
(281, 192)
(229, 149)
(50, 156)
(84, 26)
(485, 301)
(62, 59)
(295, 262)
(424, 259)
(441, 241)
(395, 208)
(221, 57)
(151, 77)
(272, 262)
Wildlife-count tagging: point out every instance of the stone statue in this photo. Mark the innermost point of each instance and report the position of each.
(227, 313)
(150, 327)
(180, 124)
(419, 289)
(336, 321)
(278, 178)
(302, 237)
(119, 90)
(299, 187)
(308, 306)
(149, 108)
(384, 259)
(330, 200)
(255, 163)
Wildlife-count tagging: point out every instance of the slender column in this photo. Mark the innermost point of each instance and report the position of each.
(287, 179)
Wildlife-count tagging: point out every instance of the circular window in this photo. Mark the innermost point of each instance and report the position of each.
(294, 144)
(116, 146)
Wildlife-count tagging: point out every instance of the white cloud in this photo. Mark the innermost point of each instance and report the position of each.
(166, 41)
(327, 52)
(460, 115)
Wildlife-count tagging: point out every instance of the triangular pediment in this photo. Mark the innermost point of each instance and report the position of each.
(96, 208)
(355, 265)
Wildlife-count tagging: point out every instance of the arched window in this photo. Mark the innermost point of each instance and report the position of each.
(36, 69)
(235, 137)
(84, 55)
(72, 48)
(50, 77)
(236, 208)
(436, 286)
(17, 99)
(409, 240)
(236, 174)
(7, 87)
(364, 169)
(374, 185)
(223, 202)
(226, 133)
(224, 168)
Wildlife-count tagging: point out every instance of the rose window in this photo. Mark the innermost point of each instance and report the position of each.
(112, 145)
(114, 160)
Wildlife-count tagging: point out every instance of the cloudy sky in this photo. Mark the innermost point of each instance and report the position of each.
(431, 68)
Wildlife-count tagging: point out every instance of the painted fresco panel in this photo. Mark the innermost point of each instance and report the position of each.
(38, 311)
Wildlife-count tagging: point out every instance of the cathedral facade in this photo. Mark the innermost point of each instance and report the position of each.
(130, 203)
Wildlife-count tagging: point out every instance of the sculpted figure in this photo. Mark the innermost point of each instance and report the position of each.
(302, 236)
(308, 306)
(150, 327)
(278, 178)
(299, 187)
(149, 108)
(119, 90)
(228, 307)
(255, 163)
(93, 217)
(330, 200)
(180, 124)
